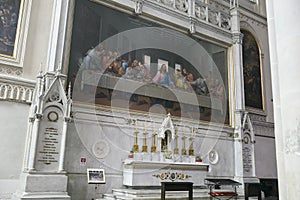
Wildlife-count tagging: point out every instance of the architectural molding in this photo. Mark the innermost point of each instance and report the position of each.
(16, 89)
(253, 19)
(11, 70)
(101, 115)
(264, 129)
(256, 116)
(182, 13)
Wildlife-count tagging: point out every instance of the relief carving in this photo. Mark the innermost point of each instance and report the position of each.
(15, 71)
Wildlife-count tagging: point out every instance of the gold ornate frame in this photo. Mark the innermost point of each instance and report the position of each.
(17, 56)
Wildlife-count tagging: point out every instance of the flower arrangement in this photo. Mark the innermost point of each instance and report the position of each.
(130, 155)
(198, 159)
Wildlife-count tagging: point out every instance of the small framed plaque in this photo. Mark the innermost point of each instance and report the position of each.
(96, 176)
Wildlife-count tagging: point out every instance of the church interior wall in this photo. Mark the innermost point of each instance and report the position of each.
(80, 145)
(38, 38)
(13, 138)
(265, 160)
(33, 43)
(87, 130)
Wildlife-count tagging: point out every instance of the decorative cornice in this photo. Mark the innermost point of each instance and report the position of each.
(263, 129)
(224, 16)
(221, 5)
(257, 117)
(151, 8)
(11, 70)
(16, 89)
(252, 19)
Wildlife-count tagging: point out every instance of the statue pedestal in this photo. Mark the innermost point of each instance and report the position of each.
(152, 173)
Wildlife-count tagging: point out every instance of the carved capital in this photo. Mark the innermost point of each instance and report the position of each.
(237, 38)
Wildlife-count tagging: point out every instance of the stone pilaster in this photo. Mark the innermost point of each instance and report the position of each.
(237, 91)
(284, 40)
(243, 149)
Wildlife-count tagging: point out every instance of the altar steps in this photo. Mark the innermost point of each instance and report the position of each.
(154, 194)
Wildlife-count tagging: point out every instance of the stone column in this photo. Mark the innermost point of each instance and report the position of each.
(237, 91)
(284, 40)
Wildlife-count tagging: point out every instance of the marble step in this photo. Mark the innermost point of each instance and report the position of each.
(154, 194)
(113, 197)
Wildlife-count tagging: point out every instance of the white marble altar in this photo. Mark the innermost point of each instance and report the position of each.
(135, 172)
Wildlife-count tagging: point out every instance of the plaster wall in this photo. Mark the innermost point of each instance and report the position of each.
(265, 157)
(284, 40)
(38, 38)
(13, 126)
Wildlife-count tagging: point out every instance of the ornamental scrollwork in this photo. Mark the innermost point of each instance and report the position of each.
(173, 176)
(200, 12)
(167, 2)
(182, 5)
(225, 21)
(213, 17)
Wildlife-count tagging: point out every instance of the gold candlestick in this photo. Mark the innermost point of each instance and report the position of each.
(153, 148)
(191, 150)
(145, 147)
(176, 150)
(136, 146)
(183, 150)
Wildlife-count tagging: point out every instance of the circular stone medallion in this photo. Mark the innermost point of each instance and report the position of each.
(213, 157)
(100, 149)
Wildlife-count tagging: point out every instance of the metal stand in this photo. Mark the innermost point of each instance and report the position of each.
(176, 186)
(213, 183)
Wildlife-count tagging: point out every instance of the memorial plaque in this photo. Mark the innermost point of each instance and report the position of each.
(49, 141)
(247, 156)
(247, 160)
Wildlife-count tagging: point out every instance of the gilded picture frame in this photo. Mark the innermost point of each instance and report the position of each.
(14, 22)
(10, 20)
(252, 72)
